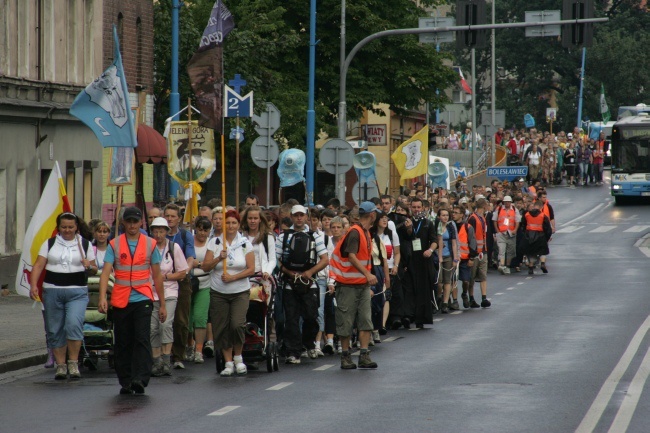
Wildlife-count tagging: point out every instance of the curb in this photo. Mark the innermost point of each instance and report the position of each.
(18, 363)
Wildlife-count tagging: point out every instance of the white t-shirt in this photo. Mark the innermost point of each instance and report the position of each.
(204, 277)
(235, 263)
(264, 262)
(167, 266)
(64, 257)
(390, 242)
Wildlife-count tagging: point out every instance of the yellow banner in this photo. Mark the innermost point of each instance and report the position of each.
(411, 158)
(201, 163)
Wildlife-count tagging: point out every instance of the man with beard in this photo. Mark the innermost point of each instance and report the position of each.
(417, 284)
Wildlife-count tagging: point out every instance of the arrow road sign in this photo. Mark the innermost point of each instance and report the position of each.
(268, 121)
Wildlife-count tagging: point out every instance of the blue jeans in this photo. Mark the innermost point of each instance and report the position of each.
(65, 310)
(322, 289)
(584, 170)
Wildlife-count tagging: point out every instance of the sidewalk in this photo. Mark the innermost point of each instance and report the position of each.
(22, 338)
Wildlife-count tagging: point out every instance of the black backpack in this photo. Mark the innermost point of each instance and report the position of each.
(299, 253)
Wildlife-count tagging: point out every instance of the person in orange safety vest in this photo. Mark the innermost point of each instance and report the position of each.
(538, 232)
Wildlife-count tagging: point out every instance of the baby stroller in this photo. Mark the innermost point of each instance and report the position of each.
(260, 343)
(98, 329)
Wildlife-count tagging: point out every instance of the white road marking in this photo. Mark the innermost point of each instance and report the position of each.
(636, 229)
(456, 312)
(414, 329)
(520, 283)
(601, 401)
(224, 410)
(498, 294)
(510, 288)
(437, 320)
(279, 386)
(583, 215)
(325, 367)
(632, 396)
(389, 339)
(569, 229)
(602, 229)
(529, 278)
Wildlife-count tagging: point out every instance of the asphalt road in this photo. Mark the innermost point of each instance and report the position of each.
(560, 352)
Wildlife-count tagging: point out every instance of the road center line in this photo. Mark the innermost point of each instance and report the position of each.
(224, 410)
(583, 215)
(510, 288)
(279, 386)
(632, 396)
(389, 339)
(325, 367)
(437, 320)
(456, 312)
(601, 401)
(520, 283)
(498, 294)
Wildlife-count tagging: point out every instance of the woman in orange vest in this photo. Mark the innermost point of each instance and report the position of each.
(538, 232)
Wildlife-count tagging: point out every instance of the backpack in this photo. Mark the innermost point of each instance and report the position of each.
(84, 244)
(299, 253)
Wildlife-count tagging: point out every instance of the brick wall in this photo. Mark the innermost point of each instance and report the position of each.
(136, 40)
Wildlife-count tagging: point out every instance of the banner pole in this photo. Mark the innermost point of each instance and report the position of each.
(190, 178)
(117, 212)
(223, 193)
(237, 165)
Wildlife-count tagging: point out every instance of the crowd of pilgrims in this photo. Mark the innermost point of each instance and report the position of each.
(427, 255)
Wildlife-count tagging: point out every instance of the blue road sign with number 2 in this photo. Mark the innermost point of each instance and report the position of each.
(237, 105)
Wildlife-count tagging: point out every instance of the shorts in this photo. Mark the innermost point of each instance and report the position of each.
(447, 270)
(65, 310)
(507, 246)
(479, 270)
(464, 271)
(353, 302)
(162, 333)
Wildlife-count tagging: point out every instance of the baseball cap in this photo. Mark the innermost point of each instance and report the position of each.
(132, 213)
(507, 198)
(367, 207)
(570, 135)
(521, 179)
(298, 209)
(488, 189)
(478, 196)
(159, 222)
(462, 200)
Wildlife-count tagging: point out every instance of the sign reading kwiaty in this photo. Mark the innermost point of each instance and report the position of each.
(201, 158)
(375, 135)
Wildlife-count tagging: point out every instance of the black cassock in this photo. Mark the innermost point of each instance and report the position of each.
(419, 274)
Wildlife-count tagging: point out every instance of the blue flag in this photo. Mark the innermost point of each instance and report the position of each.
(104, 105)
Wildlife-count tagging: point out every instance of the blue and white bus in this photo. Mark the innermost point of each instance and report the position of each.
(631, 157)
(632, 110)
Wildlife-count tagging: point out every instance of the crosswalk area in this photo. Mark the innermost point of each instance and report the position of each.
(604, 228)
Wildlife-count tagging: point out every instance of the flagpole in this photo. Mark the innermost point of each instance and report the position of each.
(117, 213)
(223, 194)
(237, 164)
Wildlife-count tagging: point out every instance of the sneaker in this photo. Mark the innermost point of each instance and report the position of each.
(406, 323)
(179, 365)
(444, 309)
(126, 390)
(304, 354)
(137, 386)
(73, 369)
(375, 337)
(396, 325)
(454, 305)
(371, 342)
(531, 270)
(473, 304)
(346, 362)
(198, 358)
(157, 369)
(312, 353)
(228, 370)
(241, 369)
(61, 372)
(543, 268)
(506, 270)
(329, 349)
(208, 349)
(383, 331)
(465, 298)
(189, 354)
(50, 363)
(366, 362)
(319, 352)
(339, 348)
(502, 270)
(485, 303)
(292, 360)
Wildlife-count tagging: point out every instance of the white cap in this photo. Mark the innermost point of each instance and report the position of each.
(298, 209)
(159, 222)
(463, 200)
(478, 196)
(507, 198)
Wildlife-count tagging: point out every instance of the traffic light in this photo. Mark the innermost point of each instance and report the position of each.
(577, 35)
(471, 13)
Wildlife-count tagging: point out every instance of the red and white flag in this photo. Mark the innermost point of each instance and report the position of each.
(53, 202)
(463, 82)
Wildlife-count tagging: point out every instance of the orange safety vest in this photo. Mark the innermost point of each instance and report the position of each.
(342, 271)
(545, 210)
(503, 214)
(534, 223)
(463, 242)
(481, 234)
(132, 271)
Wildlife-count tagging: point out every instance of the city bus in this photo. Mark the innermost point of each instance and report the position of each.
(631, 157)
(632, 110)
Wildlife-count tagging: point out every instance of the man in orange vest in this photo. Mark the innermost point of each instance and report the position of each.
(350, 267)
(480, 264)
(135, 260)
(547, 209)
(506, 221)
(467, 249)
(538, 232)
